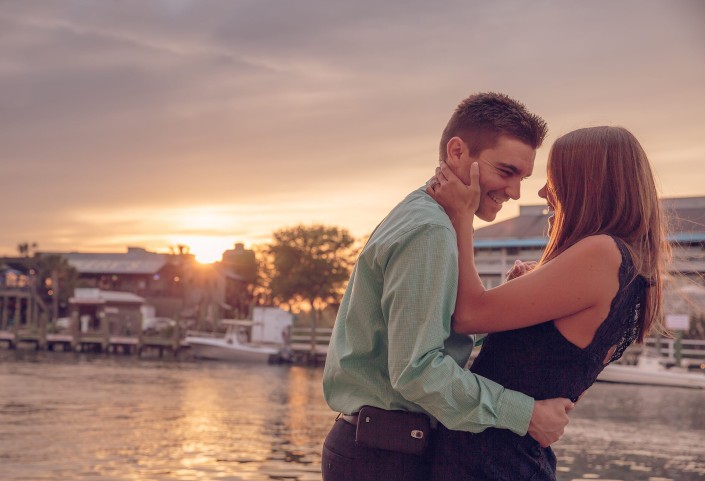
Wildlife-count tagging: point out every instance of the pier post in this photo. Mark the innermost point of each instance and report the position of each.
(75, 331)
(176, 339)
(104, 328)
(140, 339)
(3, 320)
(16, 318)
(677, 346)
(42, 332)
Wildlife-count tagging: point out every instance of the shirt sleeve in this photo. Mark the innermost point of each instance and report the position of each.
(420, 285)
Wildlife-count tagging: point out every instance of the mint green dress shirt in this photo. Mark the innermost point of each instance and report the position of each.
(392, 346)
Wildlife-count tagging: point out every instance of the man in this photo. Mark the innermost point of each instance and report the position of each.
(393, 348)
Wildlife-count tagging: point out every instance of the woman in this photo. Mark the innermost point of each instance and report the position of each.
(596, 290)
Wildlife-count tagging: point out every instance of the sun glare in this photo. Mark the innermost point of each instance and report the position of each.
(207, 249)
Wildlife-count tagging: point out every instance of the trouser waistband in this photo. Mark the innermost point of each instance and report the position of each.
(353, 419)
(349, 418)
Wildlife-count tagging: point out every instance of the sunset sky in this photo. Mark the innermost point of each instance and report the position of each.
(151, 123)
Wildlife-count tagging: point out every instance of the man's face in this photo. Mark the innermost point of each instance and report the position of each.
(502, 168)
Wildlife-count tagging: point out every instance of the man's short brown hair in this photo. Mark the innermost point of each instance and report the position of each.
(482, 118)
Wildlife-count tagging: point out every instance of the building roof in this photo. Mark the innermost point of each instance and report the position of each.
(685, 220)
(530, 229)
(5, 269)
(135, 261)
(16, 264)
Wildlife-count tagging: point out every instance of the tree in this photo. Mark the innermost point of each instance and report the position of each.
(180, 250)
(311, 264)
(52, 279)
(26, 249)
(56, 281)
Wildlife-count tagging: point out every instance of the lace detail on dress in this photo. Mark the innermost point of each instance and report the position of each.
(621, 327)
(629, 335)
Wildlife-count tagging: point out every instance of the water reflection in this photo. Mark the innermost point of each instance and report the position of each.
(71, 416)
(636, 433)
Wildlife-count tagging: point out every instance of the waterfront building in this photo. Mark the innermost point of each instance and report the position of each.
(15, 295)
(525, 237)
(138, 271)
(26, 292)
(95, 311)
(241, 261)
(237, 275)
(13, 275)
(173, 285)
(498, 245)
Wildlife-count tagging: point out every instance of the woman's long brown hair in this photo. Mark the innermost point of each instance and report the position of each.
(601, 183)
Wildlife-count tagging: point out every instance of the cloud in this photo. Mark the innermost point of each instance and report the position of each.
(125, 108)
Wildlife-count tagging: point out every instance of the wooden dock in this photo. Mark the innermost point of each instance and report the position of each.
(310, 346)
(94, 342)
(305, 346)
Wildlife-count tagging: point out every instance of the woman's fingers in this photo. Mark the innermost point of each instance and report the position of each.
(446, 172)
(442, 173)
(451, 192)
(430, 185)
(475, 175)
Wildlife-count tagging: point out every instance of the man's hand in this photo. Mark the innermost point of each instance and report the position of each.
(549, 420)
(520, 268)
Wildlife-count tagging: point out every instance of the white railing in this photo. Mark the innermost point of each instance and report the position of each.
(690, 349)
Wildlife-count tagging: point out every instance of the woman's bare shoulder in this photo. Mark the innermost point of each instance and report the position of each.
(601, 247)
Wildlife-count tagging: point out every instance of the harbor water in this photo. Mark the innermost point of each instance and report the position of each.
(68, 416)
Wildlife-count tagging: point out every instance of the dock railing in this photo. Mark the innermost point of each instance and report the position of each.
(692, 352)
(310, 345)
(313, 346)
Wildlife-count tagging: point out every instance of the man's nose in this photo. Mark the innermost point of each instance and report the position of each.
(514, 189)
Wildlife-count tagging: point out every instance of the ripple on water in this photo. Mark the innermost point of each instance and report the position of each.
(120, 418)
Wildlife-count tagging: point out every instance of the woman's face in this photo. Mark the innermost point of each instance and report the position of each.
(547, 192)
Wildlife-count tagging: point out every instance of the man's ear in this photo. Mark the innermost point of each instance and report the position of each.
(455, 148)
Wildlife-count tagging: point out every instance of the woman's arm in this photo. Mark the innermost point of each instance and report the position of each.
(460, 202)
(583, 277)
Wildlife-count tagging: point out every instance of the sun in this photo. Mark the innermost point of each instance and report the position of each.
(205, 249)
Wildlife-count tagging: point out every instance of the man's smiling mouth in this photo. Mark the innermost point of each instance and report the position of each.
(496, 199)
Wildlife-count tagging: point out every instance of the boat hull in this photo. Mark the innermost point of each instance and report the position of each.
(636, 375)
(219, 349)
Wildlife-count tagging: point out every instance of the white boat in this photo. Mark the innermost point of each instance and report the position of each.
(234, 346)
(649, 370)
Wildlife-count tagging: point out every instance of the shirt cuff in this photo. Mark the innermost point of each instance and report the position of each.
(515, 410)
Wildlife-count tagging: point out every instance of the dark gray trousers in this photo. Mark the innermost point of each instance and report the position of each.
(343, 460)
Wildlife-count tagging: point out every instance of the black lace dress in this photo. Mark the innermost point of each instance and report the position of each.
(541, 363)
